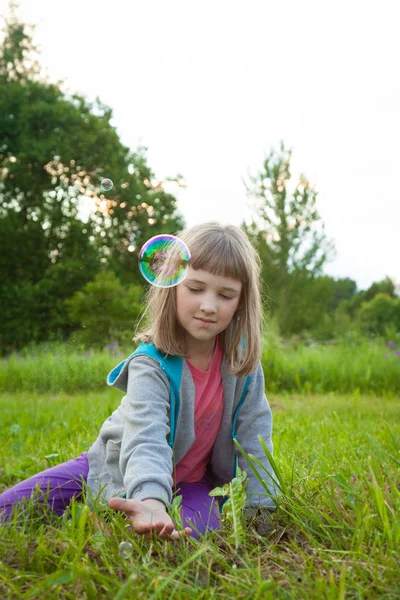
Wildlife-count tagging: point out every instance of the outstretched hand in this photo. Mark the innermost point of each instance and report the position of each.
(146, 520)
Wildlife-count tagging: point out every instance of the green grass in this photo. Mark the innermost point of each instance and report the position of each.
(368, 366)
(336, 534)
(364, 365)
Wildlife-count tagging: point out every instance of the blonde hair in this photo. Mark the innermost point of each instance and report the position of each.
(223, 250)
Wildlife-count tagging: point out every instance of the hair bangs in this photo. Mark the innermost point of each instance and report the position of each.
(220, 257)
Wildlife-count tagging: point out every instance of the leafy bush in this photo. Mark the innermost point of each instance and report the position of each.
(106, 310)
(379, 314)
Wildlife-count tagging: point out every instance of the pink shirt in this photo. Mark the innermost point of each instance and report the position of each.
(208, 411)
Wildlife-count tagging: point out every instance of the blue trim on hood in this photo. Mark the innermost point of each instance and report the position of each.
(172, 366)
(112, 376)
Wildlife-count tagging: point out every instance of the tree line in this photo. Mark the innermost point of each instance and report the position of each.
(68, 249)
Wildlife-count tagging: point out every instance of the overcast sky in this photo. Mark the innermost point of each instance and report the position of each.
(209, 87)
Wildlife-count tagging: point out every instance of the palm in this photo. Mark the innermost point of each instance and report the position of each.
(145, 520)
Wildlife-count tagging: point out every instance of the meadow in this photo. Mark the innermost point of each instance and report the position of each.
(351, 364)
(335, 535)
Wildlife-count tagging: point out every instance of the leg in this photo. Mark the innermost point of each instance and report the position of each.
(199, 510)
(62, 482)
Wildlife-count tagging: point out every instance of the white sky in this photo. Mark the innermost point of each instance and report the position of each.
(209, 87)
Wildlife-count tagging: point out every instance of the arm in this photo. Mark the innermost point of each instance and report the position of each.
(145, 456)
(255, 418)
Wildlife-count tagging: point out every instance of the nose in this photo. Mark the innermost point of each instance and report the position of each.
(208, 306)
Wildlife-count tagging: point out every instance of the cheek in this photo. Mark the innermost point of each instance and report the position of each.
(185, 302)
(232, 310)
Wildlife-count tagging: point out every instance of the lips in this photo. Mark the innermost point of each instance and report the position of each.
(204, 320)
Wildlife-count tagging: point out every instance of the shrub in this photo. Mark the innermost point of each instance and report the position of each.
(379, 314)
(106, 310)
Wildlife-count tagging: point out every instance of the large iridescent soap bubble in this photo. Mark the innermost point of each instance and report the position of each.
(164, 260)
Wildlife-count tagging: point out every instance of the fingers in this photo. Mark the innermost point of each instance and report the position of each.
(164, 532)
(129, 507)
(117, 503)
(161, 530)
(177, 535)
(168, 531)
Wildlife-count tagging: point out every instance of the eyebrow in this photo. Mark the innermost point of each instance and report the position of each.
(223, 287)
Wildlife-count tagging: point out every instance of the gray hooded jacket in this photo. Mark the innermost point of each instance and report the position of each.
(132, 456)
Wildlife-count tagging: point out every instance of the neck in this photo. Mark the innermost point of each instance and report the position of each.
(202, 351)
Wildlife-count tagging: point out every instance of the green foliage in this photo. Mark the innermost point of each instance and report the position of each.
(175, 511)
(318, 308)
(16, 56)
(354, 363)
(291, 248)
(343, 323)
(105, 310)
(292, 255)
(380, 313)
(352, 304)
(59, 367)
(386, 286)
(343, 289)
(285, 220)
(234, 505)
(54, 151)
(33, 302)
(307, 309)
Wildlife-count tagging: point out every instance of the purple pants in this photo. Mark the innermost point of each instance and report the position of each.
(66, 480)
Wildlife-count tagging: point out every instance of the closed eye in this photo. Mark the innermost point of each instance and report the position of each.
(194, 290)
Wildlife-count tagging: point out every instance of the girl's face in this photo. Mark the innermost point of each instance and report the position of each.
(202, 295)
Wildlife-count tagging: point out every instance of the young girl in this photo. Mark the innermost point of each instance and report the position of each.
(208, 328)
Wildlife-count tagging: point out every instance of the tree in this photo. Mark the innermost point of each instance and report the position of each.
(18, 60)
(344, 289)
(380, 314)
(352, 305)
(307, 309)
(290, 246)
(106, 310)
(55, 150)
(386, 286)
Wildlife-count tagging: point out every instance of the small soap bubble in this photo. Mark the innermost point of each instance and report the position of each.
(106, 185)
(15, 429)
(164, 260)
(125, 549)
